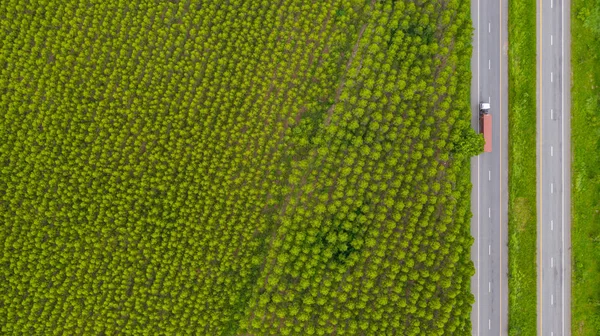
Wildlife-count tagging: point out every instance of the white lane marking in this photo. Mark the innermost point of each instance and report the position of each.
(489, 27)
(562, 101)
(489, 64)
(540, 307)
(551, 150)
(551, 114)
(552, 188)
(490, 100)
(490, 250)
(552, 262)
(478, 201)
(489, 175)
(551, 3)
(489, 324)
(551, 40)
(552, 299)
(552, 225)
(478, 177)
(478, 195)
(489, 287)
(551, 77)
(489, 212)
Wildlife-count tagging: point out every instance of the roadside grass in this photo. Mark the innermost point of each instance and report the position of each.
(585, 139)
(522, 220)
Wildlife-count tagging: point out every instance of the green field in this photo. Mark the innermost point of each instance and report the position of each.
(585, 127)
(235, 167)
(522, 220)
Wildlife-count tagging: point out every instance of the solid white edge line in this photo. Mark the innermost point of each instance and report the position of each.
(478, 231)
(562, 71)
(540, 137)
(478, 187)
(500, 265)
(500, 326)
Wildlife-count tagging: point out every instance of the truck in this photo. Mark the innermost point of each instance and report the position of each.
(485, 125)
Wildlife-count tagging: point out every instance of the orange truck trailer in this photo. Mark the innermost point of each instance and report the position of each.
(485, 124)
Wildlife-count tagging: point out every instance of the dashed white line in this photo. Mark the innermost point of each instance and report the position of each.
(551, 77)
(551, 3)
(489, 212)
(489, 27)
(551, 40)
(552, 299)
(489, 249)
(552, 188)
(551, 114)
(552, 262)
(489, 64)
(489, 324)
(489, 287)
(551, 150)
(489, 175)
(551, 225)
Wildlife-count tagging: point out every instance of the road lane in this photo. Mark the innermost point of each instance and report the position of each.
(489, 170)
(554, 267)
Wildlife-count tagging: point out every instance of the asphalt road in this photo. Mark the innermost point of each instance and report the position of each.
(489, 171)
(553, 170)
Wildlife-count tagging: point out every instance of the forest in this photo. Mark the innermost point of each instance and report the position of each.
(240, 167)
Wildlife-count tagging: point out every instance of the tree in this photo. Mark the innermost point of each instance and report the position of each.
(468, 144)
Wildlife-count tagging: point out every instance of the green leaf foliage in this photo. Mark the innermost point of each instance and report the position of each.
(235, 167)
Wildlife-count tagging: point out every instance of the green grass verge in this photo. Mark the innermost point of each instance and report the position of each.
(585, 125)
(522, 168)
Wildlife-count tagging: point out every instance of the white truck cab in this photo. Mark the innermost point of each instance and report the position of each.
(484, 107)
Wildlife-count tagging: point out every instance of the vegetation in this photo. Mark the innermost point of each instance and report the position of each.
(585, 114)
(239, 167)
(522, 215)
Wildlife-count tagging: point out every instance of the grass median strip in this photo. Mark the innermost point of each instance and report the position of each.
(522, 218)
(585, 125)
